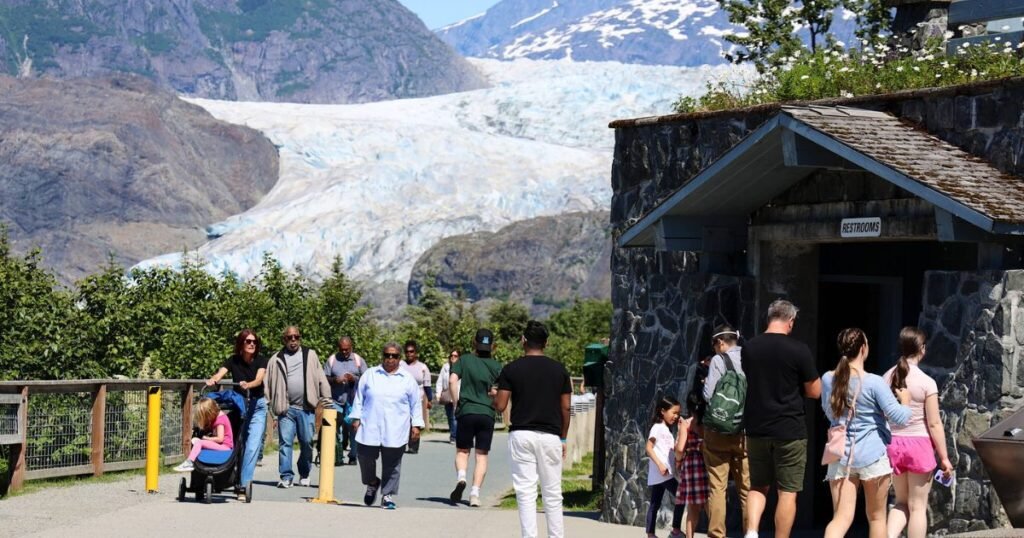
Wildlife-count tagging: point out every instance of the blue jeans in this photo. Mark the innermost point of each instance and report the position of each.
(345, 432)
(254, 439)
(294, 422)
(449, 411)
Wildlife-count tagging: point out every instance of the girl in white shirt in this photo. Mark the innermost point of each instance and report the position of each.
(660, 444)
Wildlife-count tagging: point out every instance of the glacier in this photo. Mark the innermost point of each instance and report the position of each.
(378, 184)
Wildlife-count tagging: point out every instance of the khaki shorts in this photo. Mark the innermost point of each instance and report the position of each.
(776, 462)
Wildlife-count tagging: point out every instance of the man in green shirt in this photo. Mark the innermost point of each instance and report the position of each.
(472, 383)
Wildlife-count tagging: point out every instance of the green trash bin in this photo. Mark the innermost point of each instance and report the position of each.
(594, 357)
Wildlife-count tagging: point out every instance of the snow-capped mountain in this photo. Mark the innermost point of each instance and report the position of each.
(380, 183)
(652, 32)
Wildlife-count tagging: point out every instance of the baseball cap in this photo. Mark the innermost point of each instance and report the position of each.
(484, 340)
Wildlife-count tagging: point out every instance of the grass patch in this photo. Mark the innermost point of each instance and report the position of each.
(577, 494)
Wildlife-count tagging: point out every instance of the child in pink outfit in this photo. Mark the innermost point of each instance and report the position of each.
(208, 417)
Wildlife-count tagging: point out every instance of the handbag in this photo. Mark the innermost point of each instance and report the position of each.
(445, 397)
(835, 446)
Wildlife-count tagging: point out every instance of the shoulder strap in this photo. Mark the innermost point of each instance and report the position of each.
(305, 386)
(728, 362)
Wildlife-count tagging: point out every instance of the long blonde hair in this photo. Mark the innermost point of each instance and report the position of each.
(205, 413)
(849, 343)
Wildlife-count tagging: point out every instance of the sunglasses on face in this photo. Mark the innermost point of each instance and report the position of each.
(391, 355)
(293, 337)
(249, 340)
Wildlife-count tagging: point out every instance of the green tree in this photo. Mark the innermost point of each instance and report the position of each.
(508, 319)
(874, 19)
(768, 35)
(438, 323)
(571, 329)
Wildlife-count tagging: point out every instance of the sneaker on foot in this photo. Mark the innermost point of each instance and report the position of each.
(387, 503)
(456, 495)
(304, 482)
(285, 483)
(676, 534)
(371, 493)
(474, 500)
(185, 467)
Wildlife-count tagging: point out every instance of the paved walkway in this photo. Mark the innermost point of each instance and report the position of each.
(122, 507)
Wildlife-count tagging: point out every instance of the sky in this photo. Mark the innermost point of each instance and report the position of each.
(438, 13)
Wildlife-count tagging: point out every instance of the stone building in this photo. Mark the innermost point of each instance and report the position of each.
(877, 212)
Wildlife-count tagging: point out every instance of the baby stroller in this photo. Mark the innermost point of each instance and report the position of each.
(218, 470)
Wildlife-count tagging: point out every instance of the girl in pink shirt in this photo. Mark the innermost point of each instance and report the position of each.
(913, 448)
(208, 417)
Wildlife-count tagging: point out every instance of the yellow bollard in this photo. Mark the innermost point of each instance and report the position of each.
(328, 440)
(153, 441)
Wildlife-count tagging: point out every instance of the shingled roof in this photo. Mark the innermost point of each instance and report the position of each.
(759, 167)
(920, 156)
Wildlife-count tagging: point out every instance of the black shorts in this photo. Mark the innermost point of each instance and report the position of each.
(474, 431)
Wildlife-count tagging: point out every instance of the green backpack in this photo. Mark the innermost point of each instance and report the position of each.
(725, 410)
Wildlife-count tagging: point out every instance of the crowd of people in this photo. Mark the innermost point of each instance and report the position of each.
(383, 410)
(744, 420)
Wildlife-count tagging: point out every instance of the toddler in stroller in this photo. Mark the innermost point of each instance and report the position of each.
(215, 457)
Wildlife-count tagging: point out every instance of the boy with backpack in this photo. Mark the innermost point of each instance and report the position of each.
(725, 451)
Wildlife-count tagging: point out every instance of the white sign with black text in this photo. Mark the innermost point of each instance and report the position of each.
(865, 227)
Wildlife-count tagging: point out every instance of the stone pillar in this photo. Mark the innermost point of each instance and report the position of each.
(975, 324)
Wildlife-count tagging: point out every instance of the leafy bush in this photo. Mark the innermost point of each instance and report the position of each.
(875, 68)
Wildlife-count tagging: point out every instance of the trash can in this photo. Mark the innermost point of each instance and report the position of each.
(1001, 450)
(594, 357)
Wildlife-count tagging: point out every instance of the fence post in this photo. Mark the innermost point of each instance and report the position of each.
(153, 441)
(99, 427)
(186, 419)
(19, 451)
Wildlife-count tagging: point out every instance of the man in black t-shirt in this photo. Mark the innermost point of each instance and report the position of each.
(780, 374)
(540, 390)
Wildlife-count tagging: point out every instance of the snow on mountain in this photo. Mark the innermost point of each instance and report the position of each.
(652, 32)
(378, 184)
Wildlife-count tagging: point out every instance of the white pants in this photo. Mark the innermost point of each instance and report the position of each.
(536, 454)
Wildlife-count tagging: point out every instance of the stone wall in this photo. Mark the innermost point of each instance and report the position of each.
(665, 324)
(975, 324)
(662, 308)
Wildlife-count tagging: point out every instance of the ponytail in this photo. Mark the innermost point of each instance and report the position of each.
(849, 342)
(911, 345)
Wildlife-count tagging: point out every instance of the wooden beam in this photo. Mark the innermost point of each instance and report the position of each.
(99, 427)
(19, 451)
(949, 228)
(990, 256)
(797, 151)
(893, 229)
(701, 234)
(972, 11)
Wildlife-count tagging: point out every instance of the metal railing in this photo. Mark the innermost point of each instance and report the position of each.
(69, 428)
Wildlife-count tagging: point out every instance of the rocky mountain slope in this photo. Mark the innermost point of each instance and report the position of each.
(309, 51)
(543, 262)
(655, 32)
(94, 166)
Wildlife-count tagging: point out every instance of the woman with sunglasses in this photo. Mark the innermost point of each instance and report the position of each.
(444, 393)
(248, 367)
(388, 401)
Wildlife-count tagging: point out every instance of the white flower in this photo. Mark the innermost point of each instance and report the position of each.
(930, 57)
(974, 73)
(804, 77)
(1020, 45)
(899, 69)
(945, 65)
(938, 75)
(948, 35)
(965, 45)
(878, 85)
(917, 69)
(998, 39)
(844, 93)
(864, 42)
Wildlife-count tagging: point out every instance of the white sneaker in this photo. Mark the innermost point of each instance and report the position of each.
(304, 482)
(474, 500)
(284, 484)
(185, 467)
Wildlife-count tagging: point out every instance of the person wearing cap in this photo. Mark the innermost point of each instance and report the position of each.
(725, 454)
(472, 383)
(421, 373)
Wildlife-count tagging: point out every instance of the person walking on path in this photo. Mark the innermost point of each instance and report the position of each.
(343, 370)
(248, 367)
(725, 454)
(421, 373)
(780, 373)
(295, 384)
(661, 464)
(861, 403)
(444, 393)
(913, 447)
(472, 379)
(540, 390)
(387, 407)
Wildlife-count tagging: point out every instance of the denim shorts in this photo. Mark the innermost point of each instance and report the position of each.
(879, 468)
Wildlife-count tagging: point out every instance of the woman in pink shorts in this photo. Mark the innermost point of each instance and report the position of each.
(913, 448)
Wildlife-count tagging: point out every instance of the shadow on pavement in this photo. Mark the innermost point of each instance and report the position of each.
(442, 500)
